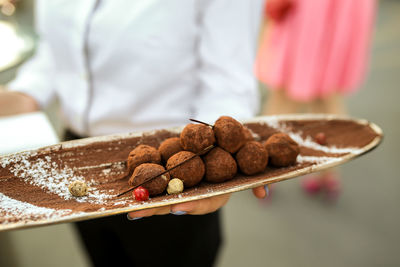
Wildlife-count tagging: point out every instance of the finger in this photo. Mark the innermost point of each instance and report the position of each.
(261, 191)
(149, 212)
(202, 206)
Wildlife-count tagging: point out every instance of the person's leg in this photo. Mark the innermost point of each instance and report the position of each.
(166, 240)
(327, 182)
(102, 243)
(277, 102)
(170, 240)
(330, 105)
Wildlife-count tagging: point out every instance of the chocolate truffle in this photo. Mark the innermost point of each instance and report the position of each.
(175, 186)
(142, 154)
(78, 188)
(229, 134)
(196, 137)
(169, 147)
(252, 158)
(282, 150)
(146, 171)
(190, 172)
(220, 165)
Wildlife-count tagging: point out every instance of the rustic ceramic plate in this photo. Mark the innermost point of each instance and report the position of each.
(34, 184)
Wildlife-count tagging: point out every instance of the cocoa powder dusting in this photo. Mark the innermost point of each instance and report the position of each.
(34, 185)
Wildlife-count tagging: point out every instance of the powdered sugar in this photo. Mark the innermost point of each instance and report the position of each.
(317, 160)
(24, 211)
(46, 174)
(6, 160)
(122, 201)
(308, 141)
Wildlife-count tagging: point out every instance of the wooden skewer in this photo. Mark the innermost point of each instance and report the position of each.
(170, 169)
(212, 126)
(202, 122)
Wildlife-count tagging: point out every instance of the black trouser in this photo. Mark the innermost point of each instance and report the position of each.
(167, 240)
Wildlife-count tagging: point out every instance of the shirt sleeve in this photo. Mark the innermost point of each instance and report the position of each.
(35, 76)
(227, 47)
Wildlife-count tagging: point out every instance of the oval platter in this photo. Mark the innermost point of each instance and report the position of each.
(34, 184)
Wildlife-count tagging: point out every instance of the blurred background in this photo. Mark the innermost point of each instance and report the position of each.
(290, 228)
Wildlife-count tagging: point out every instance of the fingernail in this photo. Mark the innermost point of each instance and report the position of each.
(266, 187)
(179, 212)
(133, 219)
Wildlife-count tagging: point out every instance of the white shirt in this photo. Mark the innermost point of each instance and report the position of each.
(130, 65)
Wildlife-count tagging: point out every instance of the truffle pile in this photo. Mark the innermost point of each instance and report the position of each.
(213, 153)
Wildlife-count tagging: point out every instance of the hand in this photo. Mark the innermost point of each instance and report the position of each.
(197, 207)
(12, 103)
(278, 9)
(261, 191)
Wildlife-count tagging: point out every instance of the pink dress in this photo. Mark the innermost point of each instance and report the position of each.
(319, 48)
